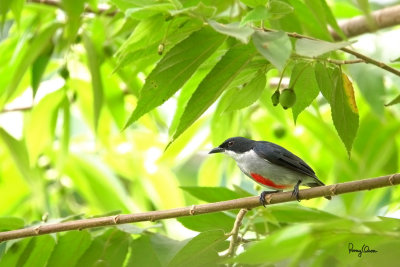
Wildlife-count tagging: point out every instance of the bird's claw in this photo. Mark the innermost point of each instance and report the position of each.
(295, 192)
(263, 194)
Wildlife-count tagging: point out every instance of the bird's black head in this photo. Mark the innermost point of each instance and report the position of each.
(235, 144)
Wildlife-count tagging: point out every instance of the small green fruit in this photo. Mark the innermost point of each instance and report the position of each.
(64, 72)
(275, 98)
(279, 131)
(287, 98)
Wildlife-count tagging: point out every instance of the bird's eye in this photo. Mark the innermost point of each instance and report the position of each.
(230, 143)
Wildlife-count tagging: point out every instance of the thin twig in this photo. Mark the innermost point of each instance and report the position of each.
(241, 203)
(349, 51)
(235, 232)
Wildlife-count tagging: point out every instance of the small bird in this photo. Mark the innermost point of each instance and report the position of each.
(270, 165)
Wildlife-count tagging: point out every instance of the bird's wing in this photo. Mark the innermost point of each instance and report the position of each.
(281, 156)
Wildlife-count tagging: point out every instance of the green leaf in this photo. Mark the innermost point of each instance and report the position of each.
(279, 9)
(344, 110)
(291, 241)
(258, 13)
(274, 46)
(44, 114)
(206, 222)
(73, 242)
(18, 153)
(330, 18)
(396, 100)
(217, 80)
(97, 184)
(249, 93)
(297, 214)
(42, 246)
(39, 66)
(308, 21)
(108, 249)
(242, 33)
(11, 223)
(74, 9)
(325, 79)
(36, 47)
(314, 48)
(15, 253)
(200, 250)
(305, 85)
(211, 194)
(143, 253)
(97, 85)
(4, 7)
(254, 3)
(143, 12)
(174, 69)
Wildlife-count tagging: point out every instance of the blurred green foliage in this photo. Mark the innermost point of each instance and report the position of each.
(90, 98)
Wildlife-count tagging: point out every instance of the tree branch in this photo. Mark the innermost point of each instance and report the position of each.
(349, 51)
(383, 18)
(235, 232)
(241, 203)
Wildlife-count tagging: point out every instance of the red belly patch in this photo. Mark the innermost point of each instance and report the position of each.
(267, 182)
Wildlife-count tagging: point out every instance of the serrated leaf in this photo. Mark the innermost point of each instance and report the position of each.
(258, 13)
(325, 80)
(305, 86)
(207, 222)
(274, 46)
(216, 81)
(248, 94)
(314, 48)
(242, 33)
(75, 242)
(344, 110)
(44, 114)
(97, 84)
(200, 250)
(36, 47)
(175, 68)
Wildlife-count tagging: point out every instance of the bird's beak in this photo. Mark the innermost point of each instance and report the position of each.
(216, 150)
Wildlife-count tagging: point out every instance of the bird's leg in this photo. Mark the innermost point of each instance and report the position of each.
(264, 193)
(296, 190)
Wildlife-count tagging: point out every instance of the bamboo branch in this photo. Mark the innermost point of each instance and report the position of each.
(383, 18)
(241, 203)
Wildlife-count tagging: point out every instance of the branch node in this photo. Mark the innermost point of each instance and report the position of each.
(37, 230)
(115, 219)
(391, 179)
(268, 198)
(191, 210)
(333, 189)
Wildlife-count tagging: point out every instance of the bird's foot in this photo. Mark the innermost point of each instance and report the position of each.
(295, 192)
(264, 193)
